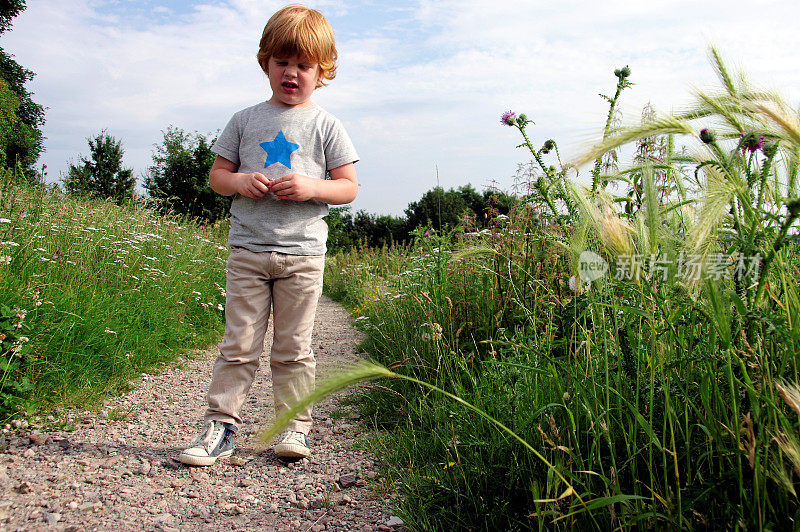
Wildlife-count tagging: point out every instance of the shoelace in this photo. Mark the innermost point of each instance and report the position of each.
(292, 436)
(209, 435)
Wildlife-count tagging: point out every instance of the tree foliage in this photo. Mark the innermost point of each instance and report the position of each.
(178, 179)
(102, 175)
(22, 141)
(363, 229)
(437, 209)
(8, 10)
(8, 116)
(443, 209)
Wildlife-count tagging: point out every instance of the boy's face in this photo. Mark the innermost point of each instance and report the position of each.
(292, 80)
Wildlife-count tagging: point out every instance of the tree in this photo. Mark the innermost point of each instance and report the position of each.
(23, 141)
(103, 175)
(474, 201)
(8, 10)
(8, 116)
(443, 209)
(178, 179)
(340, 229)
(346, 231)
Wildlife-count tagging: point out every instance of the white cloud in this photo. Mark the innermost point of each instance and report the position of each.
(420, 85)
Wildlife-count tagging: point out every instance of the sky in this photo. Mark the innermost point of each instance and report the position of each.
(420, 87)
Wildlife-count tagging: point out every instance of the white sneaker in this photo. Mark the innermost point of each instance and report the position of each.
(293, 445)
(216, 441)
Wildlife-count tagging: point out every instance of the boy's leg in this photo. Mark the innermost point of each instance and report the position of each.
(247, 307)
(294, 299)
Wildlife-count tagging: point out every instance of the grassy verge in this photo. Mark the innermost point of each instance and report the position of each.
(641, 335)
(94, 294)
(653, 419)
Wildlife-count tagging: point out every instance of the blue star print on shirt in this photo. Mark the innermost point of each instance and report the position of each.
(279, 151)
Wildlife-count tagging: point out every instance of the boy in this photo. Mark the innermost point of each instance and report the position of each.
(273, 157)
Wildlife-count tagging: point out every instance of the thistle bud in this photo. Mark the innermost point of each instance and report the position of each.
(707, 136)
(549, 144)
(622, 73)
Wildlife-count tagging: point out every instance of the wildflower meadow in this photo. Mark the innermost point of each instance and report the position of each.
(95, 294)
(620, 351)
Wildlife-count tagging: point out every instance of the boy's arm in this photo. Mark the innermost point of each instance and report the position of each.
(341, 188)
(225, 179)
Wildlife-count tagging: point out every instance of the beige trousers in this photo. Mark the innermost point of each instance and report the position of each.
(291, 286)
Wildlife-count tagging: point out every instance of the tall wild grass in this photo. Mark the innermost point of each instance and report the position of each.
(660, 395)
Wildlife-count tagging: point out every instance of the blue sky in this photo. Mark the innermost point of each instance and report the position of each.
(421, 85)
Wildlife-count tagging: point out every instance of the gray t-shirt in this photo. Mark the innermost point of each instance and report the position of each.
(277, 141)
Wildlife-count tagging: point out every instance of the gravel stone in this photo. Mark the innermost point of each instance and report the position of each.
(394, 522)
(348, 480)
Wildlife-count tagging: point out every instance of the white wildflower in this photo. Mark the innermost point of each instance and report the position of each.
(432, 331)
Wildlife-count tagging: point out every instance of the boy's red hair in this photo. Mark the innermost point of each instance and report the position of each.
(299, 31)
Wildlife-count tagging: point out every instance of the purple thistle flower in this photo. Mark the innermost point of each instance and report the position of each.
(752, 141)
(508, 118)
(426, 234)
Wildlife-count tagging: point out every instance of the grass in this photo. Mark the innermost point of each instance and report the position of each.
(96, 294)
(643, 409)
(650, 398)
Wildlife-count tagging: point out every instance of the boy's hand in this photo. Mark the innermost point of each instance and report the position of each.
(254, 185)
(294, 187)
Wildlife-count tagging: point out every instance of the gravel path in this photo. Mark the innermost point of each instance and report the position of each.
(116, 470)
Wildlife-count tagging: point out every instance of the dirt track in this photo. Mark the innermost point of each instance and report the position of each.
(116, 470)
